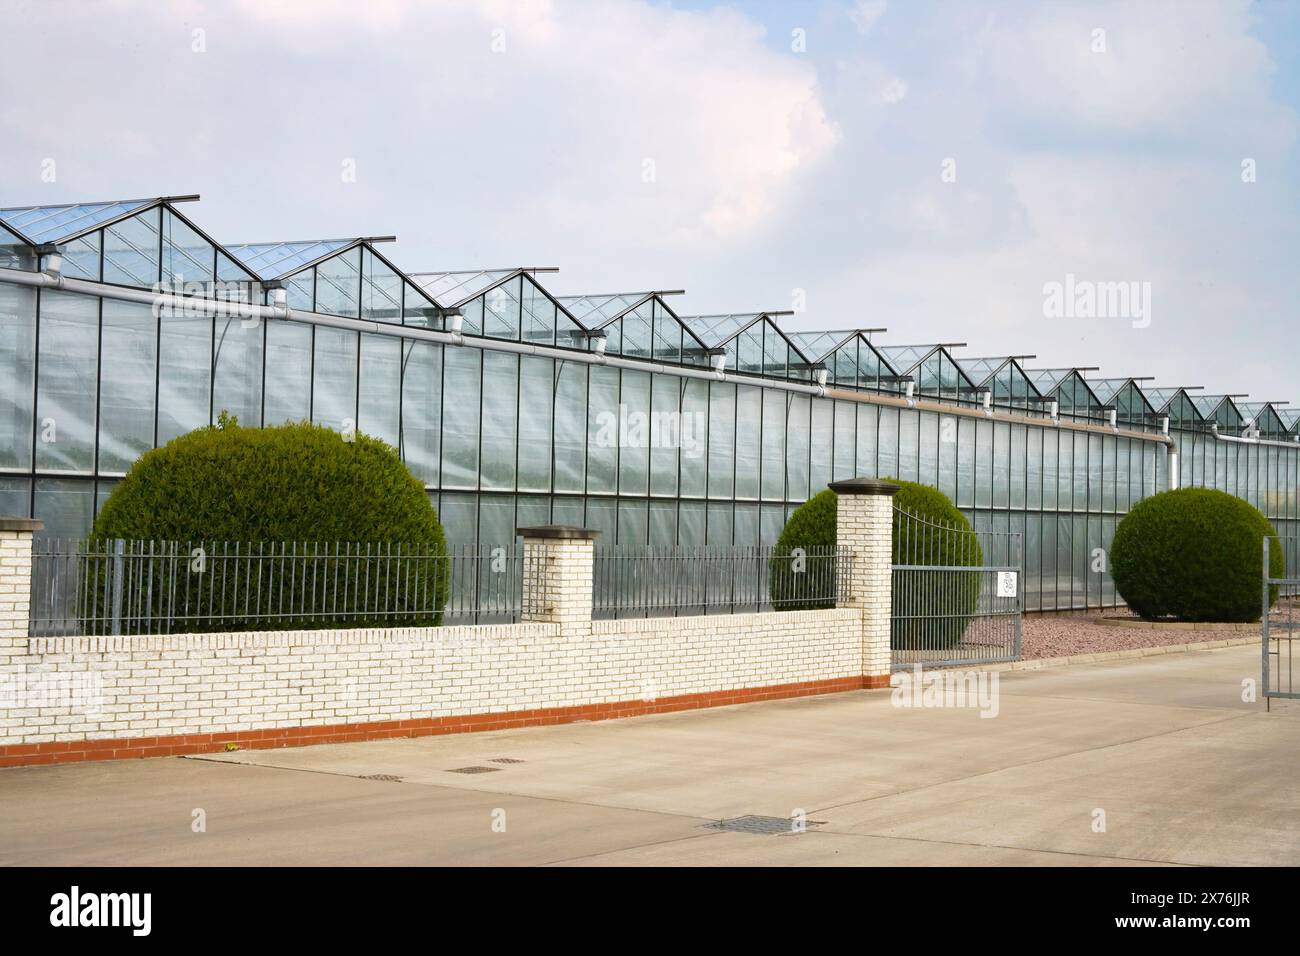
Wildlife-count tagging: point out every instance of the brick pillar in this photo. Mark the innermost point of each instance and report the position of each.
(15, 586)
(558, 564)
(864, 524)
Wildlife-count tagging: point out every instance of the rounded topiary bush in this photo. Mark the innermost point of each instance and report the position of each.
(798, 581)
(1194, 554)
(256, 501)
(935, 608)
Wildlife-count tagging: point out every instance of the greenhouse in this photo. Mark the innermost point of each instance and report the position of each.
(124, 324)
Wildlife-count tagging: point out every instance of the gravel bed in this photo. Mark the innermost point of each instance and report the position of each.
(1060, 635)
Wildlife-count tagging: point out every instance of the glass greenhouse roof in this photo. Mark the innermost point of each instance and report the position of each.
(52, 224)
(1107, 388)
(716, 330)
(818, 345)
(456, 288)
(275, 260)
(1290, 417)
(905, 357)
(10, 238)
(593, 311)
(1207, 405)
(980, 370)
(1046, 379)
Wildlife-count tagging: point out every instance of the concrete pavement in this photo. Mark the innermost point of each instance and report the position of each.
(1182, 769)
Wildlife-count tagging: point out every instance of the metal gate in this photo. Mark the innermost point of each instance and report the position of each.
(1280, 623)
(958, 594)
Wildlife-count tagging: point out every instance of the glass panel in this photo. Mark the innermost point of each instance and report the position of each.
(65, 404)
(418, 310)
(338, 284)
(690, 523)
(300, 291)
(334, 379)
(288, 372)
(17, 375)
(536, 394)
(845, 453)
(695, 420)
(131, 249)
(378, 405)
(749, 412)
(671, 434)
(719, 530)
(866, 441)
(461, 415)
(570, 426)
(184, 379)
(773, 438)
(668, 336)
(663, 523)
(66, 505)
(798, 450)
(823, 442)
(722, 439)
(237, 388)
(636, 332)
(381, 290)
(632, 523)
(750, 350)
(81, 257)
(16, 254)
(538, 316)
(130, 342)
(501, 310)
(602, 429)
(634, 434)
(15, 497)
(187, 256)
(459, 517)
(422, 409)
(909, 445)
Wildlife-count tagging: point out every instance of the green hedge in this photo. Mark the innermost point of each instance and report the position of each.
(260, 487)
(1194, 554)
(951, 542)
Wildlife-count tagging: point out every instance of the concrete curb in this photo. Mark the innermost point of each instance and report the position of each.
(1137, 624)
(1039, 663)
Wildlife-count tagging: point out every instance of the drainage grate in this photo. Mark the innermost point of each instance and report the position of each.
(386, 777)
(474, 770)
(757, 824)
(504, 760)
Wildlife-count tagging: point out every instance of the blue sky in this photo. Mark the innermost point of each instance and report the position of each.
(651, 145)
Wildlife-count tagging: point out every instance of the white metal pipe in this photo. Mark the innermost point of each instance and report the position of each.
(1214, 430)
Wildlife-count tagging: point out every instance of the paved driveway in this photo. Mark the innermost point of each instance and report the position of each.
(1183, 771)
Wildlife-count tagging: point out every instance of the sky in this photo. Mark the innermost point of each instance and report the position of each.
(943, 169)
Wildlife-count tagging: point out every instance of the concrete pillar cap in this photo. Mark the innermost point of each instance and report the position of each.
(20, 524)
(558, 531)
(864, 486)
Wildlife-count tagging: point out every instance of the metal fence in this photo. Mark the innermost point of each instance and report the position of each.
(958, 595)
(659, 582)
(166, 587)
(1280, 622)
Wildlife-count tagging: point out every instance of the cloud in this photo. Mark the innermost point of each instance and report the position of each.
(865, 13)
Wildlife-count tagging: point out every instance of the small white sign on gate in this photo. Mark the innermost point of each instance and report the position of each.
(1007, 583)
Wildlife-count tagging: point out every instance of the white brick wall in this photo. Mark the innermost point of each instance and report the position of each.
(54, 690)
(75, 688)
